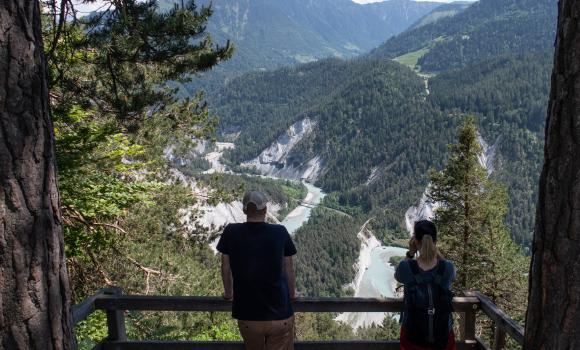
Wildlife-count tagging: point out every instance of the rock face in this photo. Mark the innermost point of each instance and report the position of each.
(426, 209)
(273, 161)
(214, 157)
(487, 157)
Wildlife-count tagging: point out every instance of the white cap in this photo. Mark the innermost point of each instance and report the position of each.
(255, 197)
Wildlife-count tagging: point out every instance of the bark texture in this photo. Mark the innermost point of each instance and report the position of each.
(553, 318)
(34, 289)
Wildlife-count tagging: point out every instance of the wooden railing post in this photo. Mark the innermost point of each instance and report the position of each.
(115, 318)
(467, 325)
(498, 338)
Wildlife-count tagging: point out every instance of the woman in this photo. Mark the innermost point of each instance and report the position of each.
(426, 323)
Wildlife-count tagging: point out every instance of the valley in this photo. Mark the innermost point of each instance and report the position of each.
(341, 113)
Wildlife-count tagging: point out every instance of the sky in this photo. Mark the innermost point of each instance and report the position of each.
(87, 8)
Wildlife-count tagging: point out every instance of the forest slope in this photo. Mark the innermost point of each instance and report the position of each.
(375, 117)
(487, 29)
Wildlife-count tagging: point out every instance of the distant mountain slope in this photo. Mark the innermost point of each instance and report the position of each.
(261, 105)
(367, 115)
(269, 34)
(440, 12)
(487, 29)
(510, 97)
(378, 129)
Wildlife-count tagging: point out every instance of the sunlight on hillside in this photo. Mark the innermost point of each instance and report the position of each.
(411, 59)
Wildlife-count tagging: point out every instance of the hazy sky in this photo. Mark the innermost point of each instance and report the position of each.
(87, 8)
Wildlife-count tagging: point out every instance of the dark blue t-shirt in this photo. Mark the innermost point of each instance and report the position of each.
(257, 252)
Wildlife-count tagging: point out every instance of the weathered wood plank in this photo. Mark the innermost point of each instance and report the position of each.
(116, 318)
(319, 345)
(187, 303)
(498, 339)
(84, 309)
(501, 319)
(467, 322)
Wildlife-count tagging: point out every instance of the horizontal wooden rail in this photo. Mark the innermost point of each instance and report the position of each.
(500, 318)
(187, 303)
(84, 309)
(114, 303)
(315, 345)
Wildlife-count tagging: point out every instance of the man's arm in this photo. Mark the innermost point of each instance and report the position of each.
(227, 278)
(290, 277)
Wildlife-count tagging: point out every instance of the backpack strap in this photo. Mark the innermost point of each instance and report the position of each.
(416, 271)
(441, 266)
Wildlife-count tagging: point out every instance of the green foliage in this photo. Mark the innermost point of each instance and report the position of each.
(92, 330)
(113, 116)
(127, 53)
(390, 329)
(487, 29)
(510, 96)
(464, 193)
(112, 80)
(327, 250)
(97, 166)
(156, 256)
(367, 114)
(411, 59)
(471, 224)
(263, 105)
(440, 12)
(321, 326)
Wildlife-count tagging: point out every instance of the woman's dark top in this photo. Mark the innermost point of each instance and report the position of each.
(404, 275)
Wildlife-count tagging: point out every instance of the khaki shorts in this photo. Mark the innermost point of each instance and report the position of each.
(268, 335)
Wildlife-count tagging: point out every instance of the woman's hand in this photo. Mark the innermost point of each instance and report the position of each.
(413, 245)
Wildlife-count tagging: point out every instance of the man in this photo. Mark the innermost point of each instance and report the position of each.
(258, 274)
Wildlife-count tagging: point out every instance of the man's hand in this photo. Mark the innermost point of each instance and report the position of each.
(290, 278)
(228, 297)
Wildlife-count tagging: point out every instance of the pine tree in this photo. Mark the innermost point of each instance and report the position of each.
(471, 219)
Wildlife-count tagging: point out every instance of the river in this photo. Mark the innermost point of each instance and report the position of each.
(375, 276)
(300, 215)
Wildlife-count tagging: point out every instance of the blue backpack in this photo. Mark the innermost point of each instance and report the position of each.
(428, 308)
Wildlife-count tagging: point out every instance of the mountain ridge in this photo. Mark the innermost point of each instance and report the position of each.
(486, 29)
(269, 34)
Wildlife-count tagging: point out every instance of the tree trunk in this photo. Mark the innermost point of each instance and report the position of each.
(553, 318)
(34, 288)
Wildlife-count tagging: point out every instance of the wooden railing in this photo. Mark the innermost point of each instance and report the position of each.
(114, 303)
